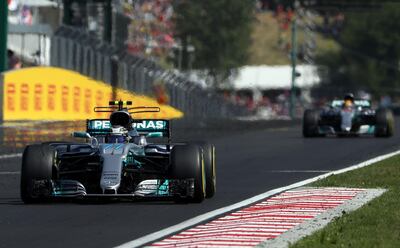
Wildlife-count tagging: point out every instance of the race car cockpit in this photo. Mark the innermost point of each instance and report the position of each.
(348, 101)
(120, 128)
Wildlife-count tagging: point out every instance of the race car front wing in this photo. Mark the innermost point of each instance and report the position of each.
(362, 130)
(154, 188)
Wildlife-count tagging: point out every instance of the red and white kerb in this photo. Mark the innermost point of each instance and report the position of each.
(262, 221)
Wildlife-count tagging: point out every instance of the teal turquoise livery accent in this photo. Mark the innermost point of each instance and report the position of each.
(163, 189)
(130, 160)
(150, 125)
(103, 127)
(371, 130)
(119, 146)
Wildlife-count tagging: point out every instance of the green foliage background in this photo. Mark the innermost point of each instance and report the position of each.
(370, 52)
(220, 31)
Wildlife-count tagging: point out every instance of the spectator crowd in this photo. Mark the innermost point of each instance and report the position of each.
(150, 31)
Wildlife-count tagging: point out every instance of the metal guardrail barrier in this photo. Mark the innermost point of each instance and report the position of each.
(77, 50)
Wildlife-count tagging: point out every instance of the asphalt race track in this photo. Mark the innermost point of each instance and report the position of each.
(250, 161)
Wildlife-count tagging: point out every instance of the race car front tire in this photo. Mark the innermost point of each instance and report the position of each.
(310, 123)
(187, 162)
(384, 126)
(37, 164)
(209, 167)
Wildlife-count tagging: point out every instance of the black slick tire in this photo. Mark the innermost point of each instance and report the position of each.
(310, 123)
(209, 167)
(187, 162)
(384, 126)
(37, 164)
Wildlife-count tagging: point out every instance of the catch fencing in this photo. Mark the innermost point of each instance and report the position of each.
(78, 50)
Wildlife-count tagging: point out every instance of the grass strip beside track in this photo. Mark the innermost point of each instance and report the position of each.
(374, 225)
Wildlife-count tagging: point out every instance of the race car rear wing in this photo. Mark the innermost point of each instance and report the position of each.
(142, 126)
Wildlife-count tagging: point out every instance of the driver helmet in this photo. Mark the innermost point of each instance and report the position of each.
(117, 135)
(348, 100)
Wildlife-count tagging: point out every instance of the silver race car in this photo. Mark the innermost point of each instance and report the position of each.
(118, 161)
(348, 117)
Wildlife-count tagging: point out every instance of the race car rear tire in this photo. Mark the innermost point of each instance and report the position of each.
(310, 123)
(209, 167)
(187, 163)
(37, 164)
(384, 126)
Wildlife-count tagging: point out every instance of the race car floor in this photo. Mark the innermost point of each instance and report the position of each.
(249, 163)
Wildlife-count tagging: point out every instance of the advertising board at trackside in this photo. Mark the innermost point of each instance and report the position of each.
(48, 93)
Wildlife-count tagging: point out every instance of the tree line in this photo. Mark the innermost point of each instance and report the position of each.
(219, 31)
(369, 54)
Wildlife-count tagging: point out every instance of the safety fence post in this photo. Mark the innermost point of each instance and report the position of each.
(77, 50)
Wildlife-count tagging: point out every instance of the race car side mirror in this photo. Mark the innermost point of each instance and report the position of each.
(81, 135)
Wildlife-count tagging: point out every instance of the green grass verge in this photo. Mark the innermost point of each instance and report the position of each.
(376, 224)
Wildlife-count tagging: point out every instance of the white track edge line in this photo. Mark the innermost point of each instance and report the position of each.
(9, 173)
(13, 155)
(299, 171)
(206, 216)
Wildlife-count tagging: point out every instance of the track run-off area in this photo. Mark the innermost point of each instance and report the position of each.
(250, 161)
